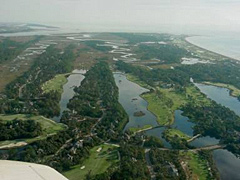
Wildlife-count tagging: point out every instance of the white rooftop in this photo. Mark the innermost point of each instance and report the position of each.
(16, 170)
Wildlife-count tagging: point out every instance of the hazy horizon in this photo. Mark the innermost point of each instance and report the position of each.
(188, 16)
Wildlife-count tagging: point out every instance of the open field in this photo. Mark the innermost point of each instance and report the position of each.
(97, 163)
(49, 128)
(194, 94)
(161, 106)
(233, 90)
(175, 133)
(195, 166)
(6, 73)
(55, 84)
(136, 80)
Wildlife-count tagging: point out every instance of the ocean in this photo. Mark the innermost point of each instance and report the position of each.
(225, 45)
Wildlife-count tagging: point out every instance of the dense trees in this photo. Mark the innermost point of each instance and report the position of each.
(227, 72)
(138, 38)
(19, 129)
(215, 121)
(27, 91)
(166, 164)
(10, 49)
(174, 77)
(97, 97)
(167, 53)
(132, 165)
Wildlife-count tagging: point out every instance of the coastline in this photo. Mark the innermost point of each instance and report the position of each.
(210, 51)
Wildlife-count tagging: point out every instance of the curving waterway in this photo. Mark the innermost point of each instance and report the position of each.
(227, 163)
(129, 97)
(73, 80)
(221, 96)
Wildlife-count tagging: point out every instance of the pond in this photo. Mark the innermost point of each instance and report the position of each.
(221, 96)
(227, 163)
(129, 98)
(157, 132)
(182, 123)
(204, 141)
(68, 92)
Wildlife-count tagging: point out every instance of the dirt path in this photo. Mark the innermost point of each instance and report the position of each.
(13, 145)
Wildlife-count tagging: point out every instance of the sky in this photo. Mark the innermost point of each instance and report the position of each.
(124, 15)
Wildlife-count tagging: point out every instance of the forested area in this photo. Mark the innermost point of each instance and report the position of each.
(215, 121)
(165, 76)
(9, 49)
(18, 129)
(27, 88)
(97, 97)
(166, 53)
(132, 165)
(166, 164)
(134, 38)
(71, 147)
(220, 72)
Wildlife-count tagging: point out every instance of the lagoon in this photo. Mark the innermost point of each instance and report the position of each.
(68, 92)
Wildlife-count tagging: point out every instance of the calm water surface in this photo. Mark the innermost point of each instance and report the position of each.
(129, 97)
(228, 164)
(204, 141)
(225, 45)
(221, 96)
(68, 93)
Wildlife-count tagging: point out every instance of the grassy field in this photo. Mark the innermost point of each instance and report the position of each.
(55, 84)
(175, 133)
(97, 163)
(160, 106)
(197, 168)
(194, 94)
(136, 129)
(136, 80)
(49, 127)
(156, 106)
(234, 91)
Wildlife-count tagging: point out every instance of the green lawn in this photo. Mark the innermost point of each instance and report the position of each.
(194, 94)
(175, 133)
(97, 163)
(49, 126)
(136, 80)
(161, 107)
(197, 166)
(135, 129)
(55, 84)
(156, 106)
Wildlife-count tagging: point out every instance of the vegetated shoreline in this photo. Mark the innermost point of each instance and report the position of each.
(205, 49)
(21, 142)
(166, 124)
(232, 89)
(142, 96)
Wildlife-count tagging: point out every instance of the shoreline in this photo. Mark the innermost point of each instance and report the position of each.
(205, 49)
(232, 91)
